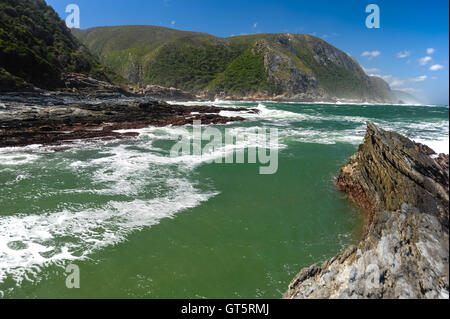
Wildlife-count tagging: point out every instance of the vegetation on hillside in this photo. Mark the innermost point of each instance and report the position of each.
(197, 62)
(36, 46)
(188, 66)
(245, 74)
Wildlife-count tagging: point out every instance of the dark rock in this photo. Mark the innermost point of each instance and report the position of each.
(55, 117)
(76, 82)
(163, 93)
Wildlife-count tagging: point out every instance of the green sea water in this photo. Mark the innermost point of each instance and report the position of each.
(141, 224)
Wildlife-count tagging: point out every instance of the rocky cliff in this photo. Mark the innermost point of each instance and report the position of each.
(404, 189)
(284, 66)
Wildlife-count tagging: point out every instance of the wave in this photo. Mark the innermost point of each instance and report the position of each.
(28, 243)
(439, 146)
(314, 136)
(151, 186)
(338, 103)
(128, 170)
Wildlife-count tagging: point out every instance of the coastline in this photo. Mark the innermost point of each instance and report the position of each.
(404, 193)
(54, 117)
(441, 145)
(319, 102)
(93, 130)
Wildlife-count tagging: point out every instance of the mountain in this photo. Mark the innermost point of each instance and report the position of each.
(272, 66)
(37, 48)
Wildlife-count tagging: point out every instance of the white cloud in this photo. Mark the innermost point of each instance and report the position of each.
(436, 67)
(173, 22)
(419, 78)
(255, 25)
(371, 54)
(425, 60)
(396, 83)
(371, 70)
(430, 51)
(402, 55)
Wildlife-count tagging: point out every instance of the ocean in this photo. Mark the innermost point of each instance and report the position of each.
(139, 223)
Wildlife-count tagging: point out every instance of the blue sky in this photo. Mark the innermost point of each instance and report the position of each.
(410, 49)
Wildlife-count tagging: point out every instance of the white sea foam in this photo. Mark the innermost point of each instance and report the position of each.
(10, 156)
(439, 146)
(325, 137)
(274, 115)
(338, 103)
(138, 173)
(30, 242)
(17, 158)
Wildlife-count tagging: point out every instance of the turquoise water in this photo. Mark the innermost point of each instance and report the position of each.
(141, 224)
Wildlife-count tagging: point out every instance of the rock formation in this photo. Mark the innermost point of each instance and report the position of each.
(403, 187)
(163, 93)
(61, 117)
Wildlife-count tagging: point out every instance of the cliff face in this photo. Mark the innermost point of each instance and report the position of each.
(404, 189)
(270, 66)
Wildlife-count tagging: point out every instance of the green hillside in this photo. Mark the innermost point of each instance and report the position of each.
(294, 66)
(36, 47)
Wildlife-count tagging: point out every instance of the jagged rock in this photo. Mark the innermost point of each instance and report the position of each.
(53, 117)
(163, 93)
(405, 251)
(75, 82)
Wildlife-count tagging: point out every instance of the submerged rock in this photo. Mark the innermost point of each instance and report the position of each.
(403, 187)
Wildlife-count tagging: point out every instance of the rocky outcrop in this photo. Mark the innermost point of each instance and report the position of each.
(51, 118)
(76, 82)
(163, 93)
(284, 71)
(404, 189)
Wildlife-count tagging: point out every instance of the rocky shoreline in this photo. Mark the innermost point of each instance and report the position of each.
(403, 187)
(51, 118)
